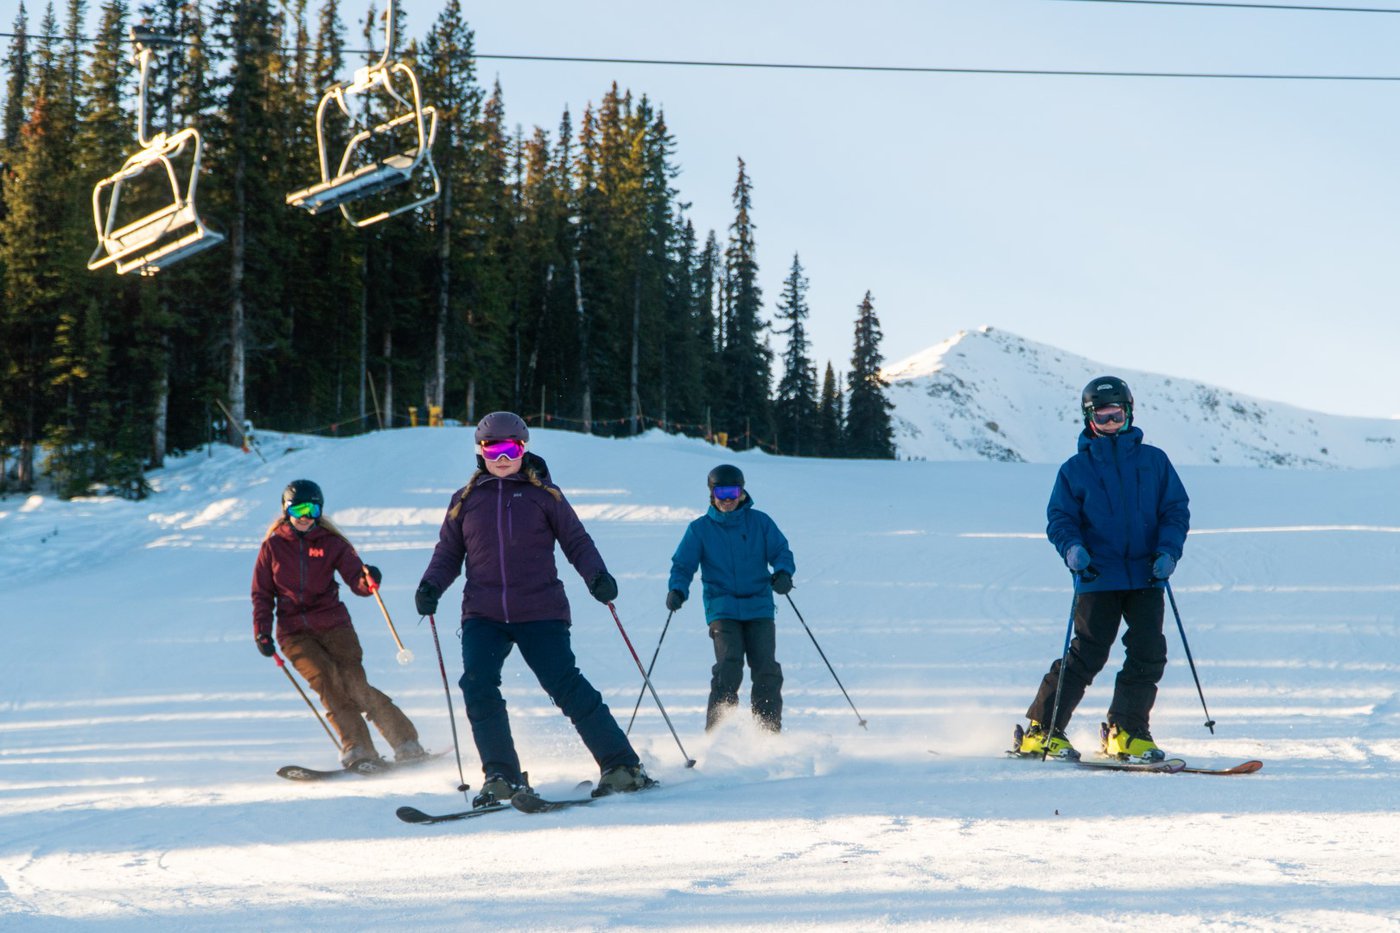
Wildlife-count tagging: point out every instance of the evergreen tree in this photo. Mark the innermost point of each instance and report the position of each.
(745, 359)
(709, 277)
(16, 81)
(39, 253)
(831, 418)
(243, 136)
(449, 82)
(795, 410)
(869, 431)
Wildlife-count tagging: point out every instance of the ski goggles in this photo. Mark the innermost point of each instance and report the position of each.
(726, 493)
(304, 510)
(503, 450)
(1114, 415)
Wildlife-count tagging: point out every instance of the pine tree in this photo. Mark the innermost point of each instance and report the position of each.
(39, 253)
(795, 411)
(449, 81)
(831, 419)
(242, 136)
(16, 81)
(746, 360)
(869, 431)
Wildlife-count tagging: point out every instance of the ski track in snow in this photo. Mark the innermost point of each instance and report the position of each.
(140, 730)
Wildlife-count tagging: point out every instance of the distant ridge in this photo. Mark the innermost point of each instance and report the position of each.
(988, 394)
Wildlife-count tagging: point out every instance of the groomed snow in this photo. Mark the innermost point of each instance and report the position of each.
(140, 730)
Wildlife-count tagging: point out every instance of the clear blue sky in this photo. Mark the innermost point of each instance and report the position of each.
(1241, 232)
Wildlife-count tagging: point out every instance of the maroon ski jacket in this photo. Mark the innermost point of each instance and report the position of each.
(504, 531)
(296, 575)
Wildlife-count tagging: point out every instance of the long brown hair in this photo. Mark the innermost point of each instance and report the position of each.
(527, 468)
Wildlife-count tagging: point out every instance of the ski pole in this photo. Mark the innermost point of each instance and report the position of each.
(404, 656)
(828, 663)
(1060, 680)
(650, 668)
(451, 717)
(282, 664)
(1210, 723)
(689, 762)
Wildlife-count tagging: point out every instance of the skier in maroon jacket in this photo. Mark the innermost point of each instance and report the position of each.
(503, 524)
(295, 578)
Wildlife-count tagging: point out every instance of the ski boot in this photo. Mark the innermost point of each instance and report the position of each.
(363, 759)
(1118, 743)
(1034, 741)
(623, 779)
(410, 750)
(498, 789)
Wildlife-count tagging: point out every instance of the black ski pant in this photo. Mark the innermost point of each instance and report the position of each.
(1096, 619)
(546, 649)
(755, 639)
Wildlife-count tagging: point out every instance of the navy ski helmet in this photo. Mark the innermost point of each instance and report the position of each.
(1103, 391)
(502, 426)
(302, 490)
(725, 475)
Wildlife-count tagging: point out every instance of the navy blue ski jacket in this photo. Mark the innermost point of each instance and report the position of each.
(734, 551)
(1120, 500)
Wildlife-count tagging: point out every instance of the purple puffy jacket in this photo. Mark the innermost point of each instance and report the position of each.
(504, 529)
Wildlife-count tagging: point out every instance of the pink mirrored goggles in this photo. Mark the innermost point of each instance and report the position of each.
(510, 449)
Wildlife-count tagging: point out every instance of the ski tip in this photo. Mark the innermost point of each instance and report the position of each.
(411, 815)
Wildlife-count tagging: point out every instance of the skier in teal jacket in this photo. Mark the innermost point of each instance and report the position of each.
(743, 560)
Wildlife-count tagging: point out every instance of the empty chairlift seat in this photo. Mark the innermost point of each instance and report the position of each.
(406, 134)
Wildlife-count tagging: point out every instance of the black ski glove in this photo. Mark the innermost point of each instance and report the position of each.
(782, 583)
(374, 574)
(603, 587)
(674, 600)
(265, 645)
(425, 600)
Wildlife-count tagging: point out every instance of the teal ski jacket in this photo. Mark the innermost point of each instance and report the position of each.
(734, 552)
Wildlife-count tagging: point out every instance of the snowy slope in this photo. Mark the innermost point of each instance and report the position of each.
(140, 730)
(988, 394)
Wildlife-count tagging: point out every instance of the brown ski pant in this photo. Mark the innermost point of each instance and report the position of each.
(332, 663)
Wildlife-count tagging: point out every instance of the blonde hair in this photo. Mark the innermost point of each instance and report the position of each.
(323, 521)
(530, 473)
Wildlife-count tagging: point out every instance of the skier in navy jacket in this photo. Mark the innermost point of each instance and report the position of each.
(734, 545)
(1118, 515)
(503, 524)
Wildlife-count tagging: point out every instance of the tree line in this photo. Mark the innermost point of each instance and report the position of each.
(556, 274)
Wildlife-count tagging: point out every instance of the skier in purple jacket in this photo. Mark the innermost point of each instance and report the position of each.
(503, 524)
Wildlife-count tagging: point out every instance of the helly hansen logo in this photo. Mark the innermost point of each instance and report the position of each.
(316, 551)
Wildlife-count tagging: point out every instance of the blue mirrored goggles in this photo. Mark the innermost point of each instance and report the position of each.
(1113, 415)
(725, 493)
(304, 510)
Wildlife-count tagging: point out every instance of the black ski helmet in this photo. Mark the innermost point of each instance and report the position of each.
(302, 490)
(502, 426)
(1107, 390)
(725, 475)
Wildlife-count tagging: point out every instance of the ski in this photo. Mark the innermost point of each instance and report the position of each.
(1165, 766)
(368, 768)
(1244, 767)
(1168, 766)
(415, 815)
(530, 802)
(527, 801)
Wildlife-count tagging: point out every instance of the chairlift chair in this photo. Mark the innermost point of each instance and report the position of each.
(170, 233)
(357, 177)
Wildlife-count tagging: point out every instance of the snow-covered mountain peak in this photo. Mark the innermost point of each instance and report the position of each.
(988, 394)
